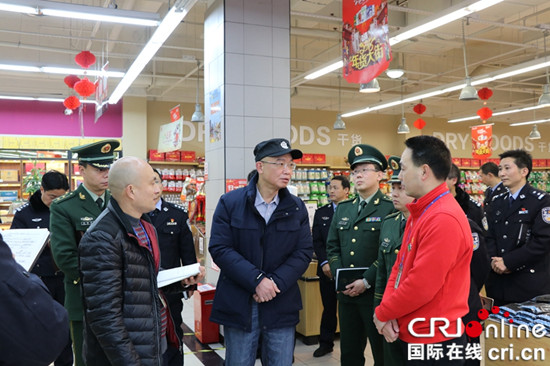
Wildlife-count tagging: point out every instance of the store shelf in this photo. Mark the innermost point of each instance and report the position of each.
(179, 163)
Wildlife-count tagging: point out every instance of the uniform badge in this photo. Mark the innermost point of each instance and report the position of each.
(373, 219)
(172, 222)
(358, 151)
(523, 211)
(394, 165)
(325, 218)
(165, 209)
(546, 215)
(475, 237)
(82, 196)
(106, 148)
(485, 223)
(37, 219)
(284, 145)
(86, 221)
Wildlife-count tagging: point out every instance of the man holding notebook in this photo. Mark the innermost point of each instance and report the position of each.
(353, 242)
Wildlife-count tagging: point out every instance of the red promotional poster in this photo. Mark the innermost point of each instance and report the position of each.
(366, 49)
(482, 137)
(175, 113)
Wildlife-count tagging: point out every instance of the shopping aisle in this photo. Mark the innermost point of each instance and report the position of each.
(197, 354)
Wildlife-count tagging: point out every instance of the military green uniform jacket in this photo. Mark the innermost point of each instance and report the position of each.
(353, 239)
(70, 216)
(391, 236)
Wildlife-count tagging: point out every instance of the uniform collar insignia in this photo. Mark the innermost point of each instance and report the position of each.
(82, 196)
(345, 219)
(87, 218)
(377, 201)
(165, 209)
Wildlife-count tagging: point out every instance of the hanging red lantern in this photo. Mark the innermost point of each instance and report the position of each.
(71, 102)
(419, 108)
(485, 113)
(85, 87)
(85, 59)
(71, 80)
(484, 93)
(419, 123)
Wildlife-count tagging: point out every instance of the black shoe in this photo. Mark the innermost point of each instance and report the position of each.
(321, 351)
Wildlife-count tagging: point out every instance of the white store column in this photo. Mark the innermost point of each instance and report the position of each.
(247, 89)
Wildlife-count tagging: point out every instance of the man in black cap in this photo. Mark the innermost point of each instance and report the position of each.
(70, 216)
(353, 242)
(261, 241)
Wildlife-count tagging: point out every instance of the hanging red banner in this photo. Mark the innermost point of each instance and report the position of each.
(175, 113)
(482, 137)
(366, 49)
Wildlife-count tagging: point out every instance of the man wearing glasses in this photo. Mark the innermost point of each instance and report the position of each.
(261, 241)
(353, 242)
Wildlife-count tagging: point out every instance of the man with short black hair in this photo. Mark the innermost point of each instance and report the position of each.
(489, 176)
(519, 234)
(70, 216)
(261, 241)
(431, 277)
(471, 208)
(338, 190)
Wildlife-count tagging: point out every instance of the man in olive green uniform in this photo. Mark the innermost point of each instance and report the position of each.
(353, 241)
(391, 236)
(70, 216)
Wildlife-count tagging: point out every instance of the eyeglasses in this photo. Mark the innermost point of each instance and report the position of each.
(281, 165)
(363, 171)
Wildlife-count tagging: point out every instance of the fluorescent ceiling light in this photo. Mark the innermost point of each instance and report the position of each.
(324, 70)
(84, 12)
(42, 99)
(60, 70)
(437, 20)
(172, 19)
(530, 122)
(501, 113)
(495, 75)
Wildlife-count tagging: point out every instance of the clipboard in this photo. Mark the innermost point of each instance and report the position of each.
(345, 276)
(169, 276)
(26, 245)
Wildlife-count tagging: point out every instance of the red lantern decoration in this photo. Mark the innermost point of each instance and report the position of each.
(71, 80)
(419, 123)
(71, 102)
(485, 113)
(419, 108)
(484, 93)
(85, 87)
(85, 59)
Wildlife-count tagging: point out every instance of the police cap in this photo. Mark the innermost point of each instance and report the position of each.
(275, 147)
(363, 153)
(100, 154)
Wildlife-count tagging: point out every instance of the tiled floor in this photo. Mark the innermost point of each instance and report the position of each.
(213, 354)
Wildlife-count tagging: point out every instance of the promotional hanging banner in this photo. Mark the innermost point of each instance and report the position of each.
(482, 137)
(366, 51)
(175, 113)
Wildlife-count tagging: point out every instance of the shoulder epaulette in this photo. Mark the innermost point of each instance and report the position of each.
(328, 205)
(386, 198)
(65, 197)
(499, 195)
(22, 207)
(475, 202)
(348, 200)
(538, 193)
(392, 215)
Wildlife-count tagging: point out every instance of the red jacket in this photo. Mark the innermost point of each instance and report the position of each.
(434, 279)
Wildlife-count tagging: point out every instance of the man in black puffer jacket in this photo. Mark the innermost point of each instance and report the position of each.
(125, 320)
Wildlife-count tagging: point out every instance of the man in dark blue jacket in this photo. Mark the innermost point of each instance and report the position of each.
(262, 243)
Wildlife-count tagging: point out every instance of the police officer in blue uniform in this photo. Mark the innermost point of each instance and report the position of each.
(353, 241)
(519, 234)
(176, 249)
(338, 190)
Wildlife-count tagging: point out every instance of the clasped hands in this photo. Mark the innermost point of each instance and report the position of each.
(355, 288)
(498, 266)
(266, 290)
(389, 329)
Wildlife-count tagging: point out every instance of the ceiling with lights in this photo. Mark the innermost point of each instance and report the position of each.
(503, 37)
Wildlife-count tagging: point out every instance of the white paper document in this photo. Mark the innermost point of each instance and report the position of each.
(26, 244)
(169, 276)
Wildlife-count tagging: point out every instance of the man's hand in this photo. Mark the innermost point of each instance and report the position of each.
(326, 270)
(266, 290)
(379, 324)
(390, 331)
(498, 266)
(355, 288)
(195, 279)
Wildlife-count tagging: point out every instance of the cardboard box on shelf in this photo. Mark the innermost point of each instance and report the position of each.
(172, 156)
(154, 155)
(307, 159)
(188, 156)
(9, 175)
(319, 158)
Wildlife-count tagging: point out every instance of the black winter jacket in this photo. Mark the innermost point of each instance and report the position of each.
(122, 307)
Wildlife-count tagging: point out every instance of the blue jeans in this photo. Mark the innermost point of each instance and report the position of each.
(277, 344)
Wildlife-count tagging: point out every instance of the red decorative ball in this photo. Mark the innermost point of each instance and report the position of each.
(495, 309)
(419, 123)
(484, 93)
(485, 113)
(71, 80)
(71, 102)
(474, 329)
(85, 87)
(482, 314)
(85, 59)
(419, 108)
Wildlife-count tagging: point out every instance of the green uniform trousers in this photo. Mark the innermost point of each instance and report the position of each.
(77, 330)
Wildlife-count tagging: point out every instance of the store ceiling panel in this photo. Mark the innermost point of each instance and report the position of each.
(507, 34)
